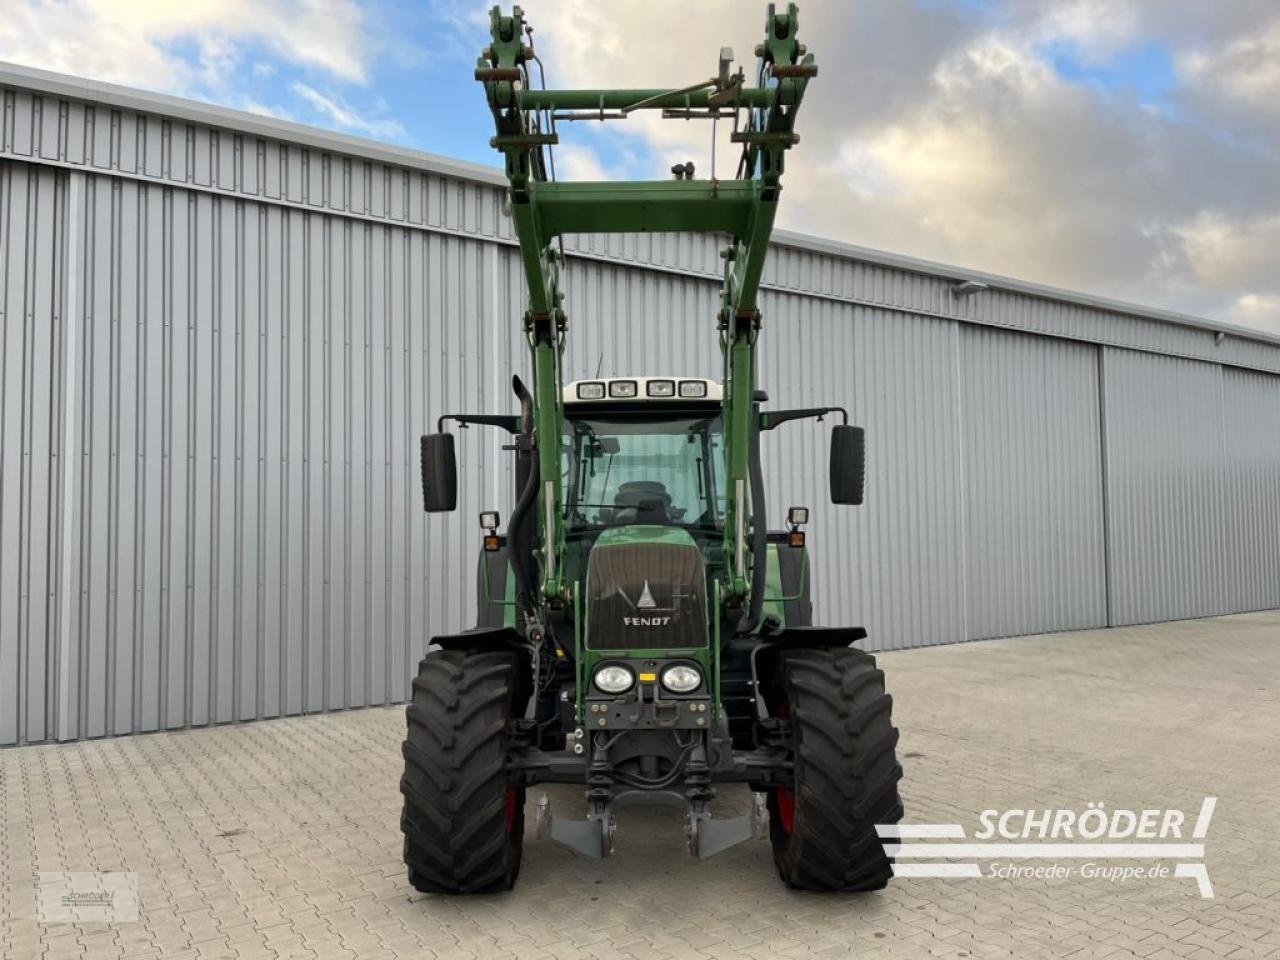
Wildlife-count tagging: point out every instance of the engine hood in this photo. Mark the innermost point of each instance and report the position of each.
(646, 590)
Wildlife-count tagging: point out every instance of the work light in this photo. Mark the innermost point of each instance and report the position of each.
(591, 391)
(693, 388)
(615, 678)
(623, 389)
(681, 678)
(661, 388)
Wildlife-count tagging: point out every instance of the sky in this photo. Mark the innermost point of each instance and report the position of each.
(1127, 148)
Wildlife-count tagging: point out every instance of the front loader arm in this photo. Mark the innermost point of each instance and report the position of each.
(743, 209)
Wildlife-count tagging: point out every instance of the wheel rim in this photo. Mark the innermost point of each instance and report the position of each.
(786, 802)
(511, 808)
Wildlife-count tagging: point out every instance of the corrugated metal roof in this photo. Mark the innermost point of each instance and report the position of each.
(126, 98)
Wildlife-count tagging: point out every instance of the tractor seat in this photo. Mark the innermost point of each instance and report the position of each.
(642, 501)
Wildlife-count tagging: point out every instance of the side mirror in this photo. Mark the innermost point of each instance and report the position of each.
(848, 464)
(439, 473)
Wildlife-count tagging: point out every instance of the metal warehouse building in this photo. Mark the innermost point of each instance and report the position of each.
(222, 335)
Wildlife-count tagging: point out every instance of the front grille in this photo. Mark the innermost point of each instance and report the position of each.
(646, 596)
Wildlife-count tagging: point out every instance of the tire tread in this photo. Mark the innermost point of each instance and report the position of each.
(455, 781)
(847, 771)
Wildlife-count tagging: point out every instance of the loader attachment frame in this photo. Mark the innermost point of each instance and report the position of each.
(544, 210)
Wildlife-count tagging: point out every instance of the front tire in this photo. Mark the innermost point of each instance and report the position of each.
(846, 772)
(463, 821)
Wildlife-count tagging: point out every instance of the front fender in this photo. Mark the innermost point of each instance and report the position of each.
(766, 655)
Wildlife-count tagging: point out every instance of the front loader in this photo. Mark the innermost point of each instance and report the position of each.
(640, 630)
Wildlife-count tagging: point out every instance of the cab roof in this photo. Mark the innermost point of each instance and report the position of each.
(648, 389)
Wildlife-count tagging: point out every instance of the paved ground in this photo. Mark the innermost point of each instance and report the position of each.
(280, 839)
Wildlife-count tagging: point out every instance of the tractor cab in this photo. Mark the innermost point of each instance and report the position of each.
(644, 451)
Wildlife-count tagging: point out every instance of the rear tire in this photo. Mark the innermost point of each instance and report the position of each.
(463, 821)
(846, 772)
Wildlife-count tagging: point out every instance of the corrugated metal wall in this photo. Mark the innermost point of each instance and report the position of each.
(1251, 452)
(895, 566)
(1193, 487)
(1166, 511)
(1032, 484)
(219, 349)
(32, 367)
(251, 541)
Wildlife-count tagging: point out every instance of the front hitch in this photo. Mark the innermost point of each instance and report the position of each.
(595, 836)
(708, 836)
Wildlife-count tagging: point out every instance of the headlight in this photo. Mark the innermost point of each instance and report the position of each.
(614, 679)
(681, 678)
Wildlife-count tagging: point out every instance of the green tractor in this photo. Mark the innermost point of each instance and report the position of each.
(641, 631)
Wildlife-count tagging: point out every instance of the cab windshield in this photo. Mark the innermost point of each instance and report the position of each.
(621, 469)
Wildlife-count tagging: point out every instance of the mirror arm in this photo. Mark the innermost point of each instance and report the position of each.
(776, 418)
(508, 422)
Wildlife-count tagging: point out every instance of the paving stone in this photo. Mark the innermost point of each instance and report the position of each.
(280, 839)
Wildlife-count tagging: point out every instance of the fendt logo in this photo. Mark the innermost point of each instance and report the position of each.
(646, 602)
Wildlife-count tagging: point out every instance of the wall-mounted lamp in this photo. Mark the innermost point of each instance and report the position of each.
(966, 287)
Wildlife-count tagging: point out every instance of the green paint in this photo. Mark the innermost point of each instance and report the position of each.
(644, 533)
(579, 652)
(773, 585)
(691, 206)
(629, 536)
(775, 599)
(509, 614)
(548, 422)
(743, 209)
(715, 648)
(620, 99)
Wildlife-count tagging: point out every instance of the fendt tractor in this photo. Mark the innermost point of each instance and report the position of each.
(640, 630)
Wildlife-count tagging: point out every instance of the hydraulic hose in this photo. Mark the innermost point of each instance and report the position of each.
(520, 529)
(759, 541)
(523, 457)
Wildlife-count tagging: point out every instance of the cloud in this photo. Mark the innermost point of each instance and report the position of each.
(140, 42)
(953, 136)
(1260, 310)
(577, 162)
(1245, 68)
(232, 52)
(337, 112)
(1225, 254)
(264, 109)
(1095, 26)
